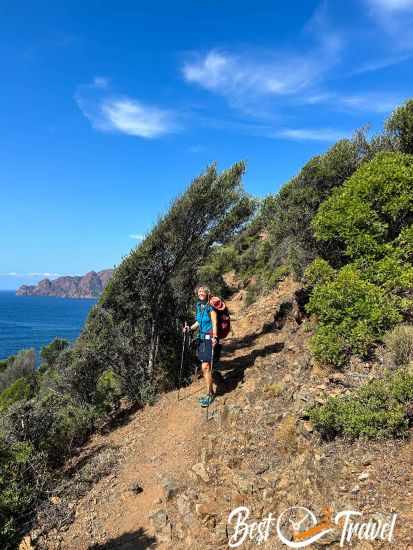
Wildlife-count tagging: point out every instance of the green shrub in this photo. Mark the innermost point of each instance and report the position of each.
(16, 392)
(399, 342)
(22, 481)
(352, 314)
(23, 365)
(53, 425)
(376, 410)
(369, 209)
(289, 215)
(319, 272)
(109, 392)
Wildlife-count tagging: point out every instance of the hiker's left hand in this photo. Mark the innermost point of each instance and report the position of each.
(214, 340)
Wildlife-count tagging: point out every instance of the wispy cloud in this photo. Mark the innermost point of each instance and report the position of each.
(392, 6)
(247, 77)
(395, 17)
(31, 274)
(371, 102)
(111, 113)
(311, 134)
(367, 102)
(378, 64)
(243, 78)
(137, 237)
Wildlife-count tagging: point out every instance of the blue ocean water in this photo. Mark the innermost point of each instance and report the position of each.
(33, 321)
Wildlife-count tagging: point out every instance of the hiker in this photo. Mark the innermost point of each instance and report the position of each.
(207, 340)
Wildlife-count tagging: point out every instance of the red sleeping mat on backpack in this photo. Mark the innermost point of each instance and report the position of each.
(224, 320)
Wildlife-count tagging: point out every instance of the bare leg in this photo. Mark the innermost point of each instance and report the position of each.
(206, 369)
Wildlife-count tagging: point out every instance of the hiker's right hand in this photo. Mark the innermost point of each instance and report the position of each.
(186, 328)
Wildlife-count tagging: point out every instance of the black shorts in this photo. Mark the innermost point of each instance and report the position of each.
(204, 351)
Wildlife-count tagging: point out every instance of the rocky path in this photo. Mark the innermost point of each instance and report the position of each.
(257, 450)
(156, 448)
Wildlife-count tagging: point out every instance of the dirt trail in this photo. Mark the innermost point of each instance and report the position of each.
(258, 450)
(158, 443)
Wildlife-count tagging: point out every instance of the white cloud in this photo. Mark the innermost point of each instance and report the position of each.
(136, 119)
(391, 5)
(242, 77)
(32, 274)
(137, 237)
(311, 134)
(253, 80)
(109, 113)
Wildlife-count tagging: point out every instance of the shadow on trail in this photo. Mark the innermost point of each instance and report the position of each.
(137, 540)
(229, 373)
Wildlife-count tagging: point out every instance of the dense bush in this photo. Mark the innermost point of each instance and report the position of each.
(291, 212)
(369, 210)
(22, 478)
(376, 410)
(19, 390)
(23, 365)
(109, 392)
(352, 313)
(52, 425)
(367, 221)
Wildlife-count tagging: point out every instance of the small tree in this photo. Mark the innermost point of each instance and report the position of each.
(400, 127)
(149, 293)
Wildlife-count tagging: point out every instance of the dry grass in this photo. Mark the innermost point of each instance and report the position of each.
(286, 433)
(274, 390)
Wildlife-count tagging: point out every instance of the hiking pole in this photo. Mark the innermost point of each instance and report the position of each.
(212, 366)
(182, 361)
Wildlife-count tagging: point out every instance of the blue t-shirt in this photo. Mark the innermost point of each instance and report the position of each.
(203, 316)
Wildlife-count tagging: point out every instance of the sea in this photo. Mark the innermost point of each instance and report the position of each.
(34, 321)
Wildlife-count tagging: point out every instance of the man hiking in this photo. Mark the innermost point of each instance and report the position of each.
(207, 340)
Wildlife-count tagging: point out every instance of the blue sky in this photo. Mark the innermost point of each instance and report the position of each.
(109, 109)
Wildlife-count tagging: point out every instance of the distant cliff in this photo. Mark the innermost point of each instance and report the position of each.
(90, 285)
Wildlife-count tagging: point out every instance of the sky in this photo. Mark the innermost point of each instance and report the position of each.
(109, 109)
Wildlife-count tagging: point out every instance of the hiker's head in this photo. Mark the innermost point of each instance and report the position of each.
(203, 293)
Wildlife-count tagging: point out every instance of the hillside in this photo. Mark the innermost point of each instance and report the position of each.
(258, 449)
(90, 285)
(316, 393)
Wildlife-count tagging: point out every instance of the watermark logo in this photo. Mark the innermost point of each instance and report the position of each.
(298, 527)
(299, 517)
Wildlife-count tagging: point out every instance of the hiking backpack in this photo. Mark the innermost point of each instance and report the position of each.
(224, 319)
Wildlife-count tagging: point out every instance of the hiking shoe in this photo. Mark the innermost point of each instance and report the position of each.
(202, 398)
(207, 401)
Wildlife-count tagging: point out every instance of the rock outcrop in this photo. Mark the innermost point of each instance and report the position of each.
(90, 285)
